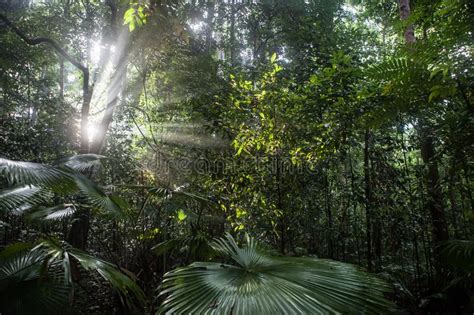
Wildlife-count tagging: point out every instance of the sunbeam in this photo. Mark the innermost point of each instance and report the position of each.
(236, 157)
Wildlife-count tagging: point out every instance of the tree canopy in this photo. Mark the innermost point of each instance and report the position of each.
(233, 156)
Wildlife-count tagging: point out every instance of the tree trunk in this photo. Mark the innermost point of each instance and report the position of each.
(354, 206)
(61, 79)
(279, 193)
(404, 14)
(79, 232)
(113, 94)
(329, 215)
(210, 11)
(452, 198)
(434, 201)
(377, 240)
(86, 103)
(413, 220)
(232, 33)
(368, 198)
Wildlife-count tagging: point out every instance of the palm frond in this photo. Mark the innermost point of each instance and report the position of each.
(27, 173)
(259, 284)
(98, 198)
(26, 287)
(63, 252)
(196, 245)
(38, 280)
(191, 195)
(458, 253)
(58, 212)
(19, 263)
(83, 163)
(18, 199)
(38, 181)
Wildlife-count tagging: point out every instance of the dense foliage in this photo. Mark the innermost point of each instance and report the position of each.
(205, 156)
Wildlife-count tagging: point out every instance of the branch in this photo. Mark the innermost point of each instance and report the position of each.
(86, 90)
(45, 40)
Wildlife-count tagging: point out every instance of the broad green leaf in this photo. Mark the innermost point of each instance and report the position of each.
(181, 215)
(260, 284)
(273, 58)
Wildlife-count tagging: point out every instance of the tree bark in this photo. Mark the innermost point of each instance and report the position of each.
(79, 232)
(232, 33)
(329, 213)
(404, 14)
(452, 198)
(210, 11)
(61, 79)
(434, 202)
(354, 206)
(113, 94)
(368, 198)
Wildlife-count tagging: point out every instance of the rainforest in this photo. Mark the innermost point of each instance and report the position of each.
(236, 157)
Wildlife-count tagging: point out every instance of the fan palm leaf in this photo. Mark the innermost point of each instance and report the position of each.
(58, 212)
(63, 252)
(38, 280)
(458, 253)
(98, 198)
(82, 163)
(27, 173)
(33, 184)
(22, 197)
(26, 287)
(259, 284)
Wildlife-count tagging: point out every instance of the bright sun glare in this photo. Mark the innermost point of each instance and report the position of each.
(93, 130)
(95, 52)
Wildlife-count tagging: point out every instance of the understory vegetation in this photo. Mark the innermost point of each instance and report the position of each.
(236, 157)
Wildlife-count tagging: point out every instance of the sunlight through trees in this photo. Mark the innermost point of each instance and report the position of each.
(240, 157)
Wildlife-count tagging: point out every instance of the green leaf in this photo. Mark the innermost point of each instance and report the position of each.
(26, 287)
(113, 205)
(458, 253)
(58, 212)
(196, 245)
(181, 215)
(273, 58)
(118, 280)
(259, 284)
(82, 162)
(18, 199)
(135, 15)
(27, 173)
(161, 248)
(38, 181)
